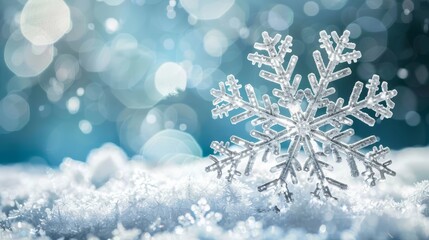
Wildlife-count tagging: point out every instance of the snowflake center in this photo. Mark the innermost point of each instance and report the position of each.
(303, 128)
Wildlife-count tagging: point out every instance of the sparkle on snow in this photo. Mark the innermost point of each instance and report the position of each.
(308, 119)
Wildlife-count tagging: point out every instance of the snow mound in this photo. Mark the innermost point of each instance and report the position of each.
(130, 200)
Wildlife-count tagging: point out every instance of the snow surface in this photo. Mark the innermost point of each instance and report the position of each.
(112, 197)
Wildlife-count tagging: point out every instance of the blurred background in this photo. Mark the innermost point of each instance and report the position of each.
(77, 73)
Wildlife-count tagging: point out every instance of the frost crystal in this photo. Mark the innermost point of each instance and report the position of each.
(201, 223)
(305, 119)
(202, 215)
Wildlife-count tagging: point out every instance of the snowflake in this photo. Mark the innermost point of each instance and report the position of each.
(202, 215)
(201, 224)
(307, 118)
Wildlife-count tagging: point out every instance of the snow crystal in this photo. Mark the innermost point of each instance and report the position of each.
(306, 119)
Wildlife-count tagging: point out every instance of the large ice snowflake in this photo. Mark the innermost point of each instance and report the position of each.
(305, 119)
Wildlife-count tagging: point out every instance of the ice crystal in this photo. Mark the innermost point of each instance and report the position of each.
(201, 224)
(303, 118)
(202, 215)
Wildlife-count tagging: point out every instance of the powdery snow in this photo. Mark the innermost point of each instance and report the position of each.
(135, 201)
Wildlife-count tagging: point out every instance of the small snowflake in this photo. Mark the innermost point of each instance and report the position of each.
(307, 118)
(201, 215)
(201, 224)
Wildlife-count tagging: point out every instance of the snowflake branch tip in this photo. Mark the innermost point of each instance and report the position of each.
(311, 122)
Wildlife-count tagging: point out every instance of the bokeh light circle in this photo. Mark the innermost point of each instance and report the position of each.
(44, 22)
(94, 55)
(85, 126)
(170, 78)
(412, 118)
(311, 8)
(374, 4)
(355, 30)
(66, 68)
(183, 118)
(25, 59)
(168, 143)
(129, 63)
(207, 10)
(402, 73)
(73, 105)
(15, 112)
(280, 17)
(370, 24)
(215, 43)
(111, 25)
(334, 4)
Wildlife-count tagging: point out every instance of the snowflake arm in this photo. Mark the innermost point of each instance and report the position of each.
(275, 60)
(336, 112)
(326, 72)
(266, 116)
(225, 103)
(248, 150)
(351, 151)
(337, 116)
(288, 166)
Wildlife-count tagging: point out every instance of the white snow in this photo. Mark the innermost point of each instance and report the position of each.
(113, 197)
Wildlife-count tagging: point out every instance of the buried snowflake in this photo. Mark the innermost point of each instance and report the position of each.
(305, 119)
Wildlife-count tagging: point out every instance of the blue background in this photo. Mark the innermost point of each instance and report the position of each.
(398, 30)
